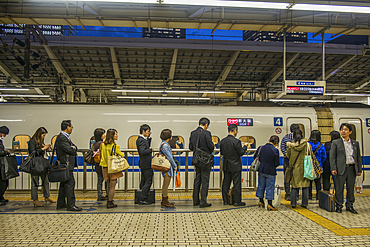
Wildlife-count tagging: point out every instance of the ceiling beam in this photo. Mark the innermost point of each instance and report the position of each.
(279, 71)
(221, 79)
(116, 70)
(173, 67)
(339, 66)
(13, 77)
(359, 85)
(58, 66)
(200, 11)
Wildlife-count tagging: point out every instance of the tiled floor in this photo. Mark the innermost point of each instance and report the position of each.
(132, 225)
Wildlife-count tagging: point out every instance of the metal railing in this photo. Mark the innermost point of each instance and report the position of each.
(86, 179)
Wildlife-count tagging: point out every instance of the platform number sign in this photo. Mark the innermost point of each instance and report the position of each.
(367, 122)
(278, 121)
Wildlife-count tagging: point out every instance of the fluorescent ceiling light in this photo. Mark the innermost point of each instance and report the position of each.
(300, 100)
(206, 92)
(14, 89)
(130, 91)
(331, 8)
(196, 98)
(131, 97)
(348, 94)
(164, 97)
(168, 98)
(161, 91)
(238, 4)
(25, 95)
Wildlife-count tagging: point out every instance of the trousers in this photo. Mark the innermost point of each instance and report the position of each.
(286, 185)
(4, 184)
(201, 180)
(266, 182)
(99, 186)
(146, 182)
(294, 197)
(237, 183)
(45, 186)
(349, 177)
(67, 190)
(318, 188)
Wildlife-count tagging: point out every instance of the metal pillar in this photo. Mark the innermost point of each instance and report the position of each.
(284, 58)
(323, 56)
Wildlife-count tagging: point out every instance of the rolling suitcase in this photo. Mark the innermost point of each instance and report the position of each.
(230, 197)
(151, 196)
(326, 201)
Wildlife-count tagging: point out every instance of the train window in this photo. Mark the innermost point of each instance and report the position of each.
(250, 139)
(132, 144)
(20, 142)
(92, 142)
(216, 143)
(352, 136)
(177, 142)
(301, 127)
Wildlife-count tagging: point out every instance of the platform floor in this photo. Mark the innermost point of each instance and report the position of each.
(185, 225)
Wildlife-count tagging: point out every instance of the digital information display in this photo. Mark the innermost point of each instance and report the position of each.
(304, 87)
(240, 121)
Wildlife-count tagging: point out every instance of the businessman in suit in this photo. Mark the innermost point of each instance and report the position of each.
(145, 153)
(232, 150)
(67, 154)
(345, 162)
(201, 175)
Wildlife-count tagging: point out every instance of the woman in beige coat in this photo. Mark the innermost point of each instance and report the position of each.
(295, 153)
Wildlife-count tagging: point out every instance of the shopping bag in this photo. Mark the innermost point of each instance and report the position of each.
(309, 172)
(178, 180)
(9, 167)
(359, 185)
(277, 197)
(116, 163)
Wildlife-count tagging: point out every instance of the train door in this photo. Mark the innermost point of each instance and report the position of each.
(357, 134)
(305, 125)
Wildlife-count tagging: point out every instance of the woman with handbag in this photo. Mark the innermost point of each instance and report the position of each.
(111, 178)
(296, 153)
(99, 135)
(37, 147)
(269, 158)
(320, 153)
(165, 149)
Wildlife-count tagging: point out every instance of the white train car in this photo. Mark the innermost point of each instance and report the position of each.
(259, 123)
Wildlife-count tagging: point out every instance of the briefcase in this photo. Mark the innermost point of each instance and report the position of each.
(151, 196)
(230, 196)
(326, 201)
(58, 172)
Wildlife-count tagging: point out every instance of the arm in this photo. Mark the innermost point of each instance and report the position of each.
(64, 144)
(118, 151)
(191, 144)
(359, 163)
(141, 148)
(166, 149)
(32, 146)
(256, 153)
(283, 146)
(209, 141)
(2, 150)
(239, 149)
(276, 158)
(288, 152)
(333, 158)
(322, 155)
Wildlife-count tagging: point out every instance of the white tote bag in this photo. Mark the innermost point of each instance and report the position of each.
(116, 163)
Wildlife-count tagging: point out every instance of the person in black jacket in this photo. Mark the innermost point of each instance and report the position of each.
(37, 146)
(269, 158)
(3, 183)
(67, 154)
(99, 135)
(145, 152)
(232, 150)
(201, 176)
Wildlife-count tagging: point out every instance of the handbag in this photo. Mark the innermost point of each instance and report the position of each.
(89, 157)
(97, 155)
(316, 163)
(26, 164)
(58, 172)
(39, 166)
(116, 163)
(289, 170)
(160, 162)
(256, 162)
(202, 159)
(9, 167)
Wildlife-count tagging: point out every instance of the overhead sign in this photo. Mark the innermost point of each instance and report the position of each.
(240, 121)
(304, 87)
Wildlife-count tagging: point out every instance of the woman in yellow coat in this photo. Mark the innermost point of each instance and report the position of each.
(106, 151)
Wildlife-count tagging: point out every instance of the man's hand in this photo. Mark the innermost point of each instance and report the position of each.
(334, 172)
(359, 174)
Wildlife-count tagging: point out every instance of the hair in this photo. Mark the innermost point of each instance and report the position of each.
(172, 142)
(4, 130)
(144, 128)
(203, 121)
(347, 125)
(294, 127)
(166, 134)
(315, 136)
(232, 127)
(297, 135)
(274, 139)
(37, 136)
(65, 124)
(109, 139)
(98, 133)
(334, 135)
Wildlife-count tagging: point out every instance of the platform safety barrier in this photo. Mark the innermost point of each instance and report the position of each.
(86, 177)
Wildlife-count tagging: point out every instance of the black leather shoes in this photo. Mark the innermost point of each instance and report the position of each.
(226, 203)
(196, 204)
(61, 207)
(144, 203)
(205, 205)
(74, 208)
(4, 200)
(239, 204)
(352, 210)
(338, 210)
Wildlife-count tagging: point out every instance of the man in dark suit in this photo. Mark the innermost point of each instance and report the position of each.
(232, 150)
(345, 162)
(67, 154)
(145, 152)
(4, 184)
(201, 175)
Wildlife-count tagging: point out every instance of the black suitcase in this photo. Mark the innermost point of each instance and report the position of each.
(230, 197)
(151, 196)
(326, 201)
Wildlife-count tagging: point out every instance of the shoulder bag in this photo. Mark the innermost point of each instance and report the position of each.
(202, 159)
(26, 164)
(9, 167)
(309, 172)
(58, 172)
(289, 170)
(256, 162)
(316, 163)
(116, 163)
(160, 162)
(89, 157)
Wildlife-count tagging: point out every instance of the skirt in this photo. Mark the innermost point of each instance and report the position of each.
(111, 176)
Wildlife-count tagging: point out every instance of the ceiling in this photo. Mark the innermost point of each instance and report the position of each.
(86, 69)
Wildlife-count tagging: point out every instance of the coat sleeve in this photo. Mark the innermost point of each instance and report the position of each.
(64, 144)
(191, 147)
(141, 148)
(358, 154)
(239, 149)
(118, 151)
(32, 146)
(166, 149)
(288, 152)
(276, 158)
(256, 153)
(2, 150)
(333, 157)
(210, 144)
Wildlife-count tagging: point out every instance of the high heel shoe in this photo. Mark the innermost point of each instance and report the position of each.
(269, 207)
(37, 203)
(260, 204)
(48, 199)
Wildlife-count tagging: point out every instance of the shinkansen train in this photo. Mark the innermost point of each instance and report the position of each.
(256, 125)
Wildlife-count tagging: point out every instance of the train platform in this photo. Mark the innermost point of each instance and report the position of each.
(21, 224)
